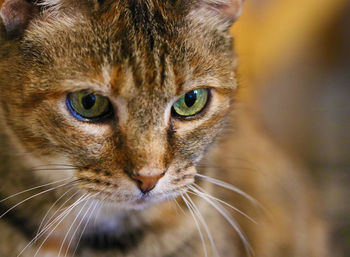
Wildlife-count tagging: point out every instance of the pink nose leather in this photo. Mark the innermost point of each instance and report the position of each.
(147, 183)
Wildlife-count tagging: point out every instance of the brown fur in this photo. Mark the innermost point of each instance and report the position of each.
(142, 55)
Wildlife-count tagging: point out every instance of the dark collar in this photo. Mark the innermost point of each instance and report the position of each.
(104, 241)
(18, 221)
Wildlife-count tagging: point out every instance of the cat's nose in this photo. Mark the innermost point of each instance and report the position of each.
(147, 183)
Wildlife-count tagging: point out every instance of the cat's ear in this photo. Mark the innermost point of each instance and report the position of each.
(221, 13)
(16, 15)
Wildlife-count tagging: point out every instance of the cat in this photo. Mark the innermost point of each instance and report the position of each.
(121, 136)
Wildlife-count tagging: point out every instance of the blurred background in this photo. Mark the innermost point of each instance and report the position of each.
(295, 74)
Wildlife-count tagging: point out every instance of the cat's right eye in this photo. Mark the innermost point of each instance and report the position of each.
(88, 106)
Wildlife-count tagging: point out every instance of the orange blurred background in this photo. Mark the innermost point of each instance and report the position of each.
(294, 74)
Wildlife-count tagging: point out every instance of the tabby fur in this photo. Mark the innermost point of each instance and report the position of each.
(142, 55)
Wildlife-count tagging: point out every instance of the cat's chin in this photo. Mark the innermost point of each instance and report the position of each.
(143, 201)
(146, 202)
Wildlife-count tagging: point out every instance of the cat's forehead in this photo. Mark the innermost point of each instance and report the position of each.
(134, 48)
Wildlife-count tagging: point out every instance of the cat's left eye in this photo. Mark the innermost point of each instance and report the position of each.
(191, 103)
(88, 106)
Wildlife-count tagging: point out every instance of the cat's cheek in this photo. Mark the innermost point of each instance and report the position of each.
(193, 138)
(175, 179)
(49, 163)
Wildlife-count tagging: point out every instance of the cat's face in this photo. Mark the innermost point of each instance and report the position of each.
(131, 96)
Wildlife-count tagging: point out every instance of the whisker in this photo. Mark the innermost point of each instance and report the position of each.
(98, 211)
(202, 191)
(228, 186)
(63, 204)
(54, 165)
(53, 221)
(231, 221)
(197, 225)
(59, 222)
(33, 188)
(205, 225)
(70, 228)
(206, 164)
(178, 205)
(31, 197)
(62, 215)
(82, 232)
(54, 169)
(52, 206)
(77, 228)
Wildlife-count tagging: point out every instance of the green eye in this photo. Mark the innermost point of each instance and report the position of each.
(89, 106)
(191, 103)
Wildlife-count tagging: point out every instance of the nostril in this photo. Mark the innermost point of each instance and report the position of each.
(147, 183)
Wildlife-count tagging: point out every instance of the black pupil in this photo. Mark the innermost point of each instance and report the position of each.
(191, 98)
(88, 101)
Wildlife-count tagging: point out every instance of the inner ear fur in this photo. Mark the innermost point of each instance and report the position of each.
(220, 12)
(16, 15)
(228, 9)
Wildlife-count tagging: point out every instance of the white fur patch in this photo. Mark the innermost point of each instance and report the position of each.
(122, 110)
(51, 3)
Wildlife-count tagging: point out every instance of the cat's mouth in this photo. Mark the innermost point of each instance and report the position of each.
(158, 197)
(132, 198)
(140, 202)
(145, 200)
(124, 192)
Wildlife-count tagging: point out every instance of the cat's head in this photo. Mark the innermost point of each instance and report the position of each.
(130, 93)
